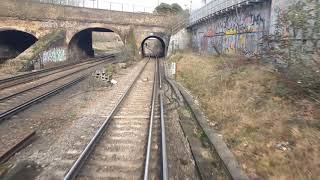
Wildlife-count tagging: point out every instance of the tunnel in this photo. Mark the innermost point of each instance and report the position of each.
(81, 44)
(153, 46)
(13, 43)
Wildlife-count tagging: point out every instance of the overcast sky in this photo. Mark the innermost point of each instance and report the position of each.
(149, 5)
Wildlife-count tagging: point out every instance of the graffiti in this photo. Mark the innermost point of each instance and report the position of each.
(231, 31)
(245, 21)
(234, 33)
(53, 55)
(230, 44)
(210, 32)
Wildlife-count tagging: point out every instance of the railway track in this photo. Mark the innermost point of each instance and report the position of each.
(19, 94)
(130, 144)
(32, 76)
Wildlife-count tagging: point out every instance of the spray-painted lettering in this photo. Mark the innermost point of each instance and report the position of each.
(53, 55)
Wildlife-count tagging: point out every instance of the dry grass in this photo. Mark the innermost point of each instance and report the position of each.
(271, 136)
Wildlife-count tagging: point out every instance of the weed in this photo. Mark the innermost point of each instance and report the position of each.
(109, 70)
(294, 47)
(255, 110)
(72, 115)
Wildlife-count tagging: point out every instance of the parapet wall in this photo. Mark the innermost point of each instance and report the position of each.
(25, 9)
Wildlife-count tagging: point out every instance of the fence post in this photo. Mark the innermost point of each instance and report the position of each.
(110, 5)
(133, 8)
(122, 7)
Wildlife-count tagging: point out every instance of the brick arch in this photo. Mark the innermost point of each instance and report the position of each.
(13, 42)
(163, 37)
(162, 41)
(20, 29)
(80, 42)
(72, 33)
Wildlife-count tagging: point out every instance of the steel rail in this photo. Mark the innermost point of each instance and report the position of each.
(48, 82)
(17, 147)
(163, 133)
(74, 170)
(159, 73)
(60, 68)
(25, 105)
(148, 153)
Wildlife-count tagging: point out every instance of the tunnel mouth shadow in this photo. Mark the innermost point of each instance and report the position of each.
(80, 45)
(13, 43)
(153, 47)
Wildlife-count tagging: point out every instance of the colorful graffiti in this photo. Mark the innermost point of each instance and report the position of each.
(243, 23)
(239, 31)
(53, 55)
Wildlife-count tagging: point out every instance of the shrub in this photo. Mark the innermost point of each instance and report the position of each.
(295, 46)
(127, 54)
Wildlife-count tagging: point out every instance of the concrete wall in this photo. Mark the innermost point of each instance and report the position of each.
(179, 41)
(236, 31)
(276, 7)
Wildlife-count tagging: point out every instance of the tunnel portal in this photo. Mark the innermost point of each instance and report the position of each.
(81, 44)
(153, 46)
(13, 43)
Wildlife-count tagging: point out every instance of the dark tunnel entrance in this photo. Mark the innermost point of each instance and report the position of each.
(13, 43)
(153, 46)
(81, 44)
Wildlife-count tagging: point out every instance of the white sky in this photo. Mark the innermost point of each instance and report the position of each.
(140, 5)
(154, 3)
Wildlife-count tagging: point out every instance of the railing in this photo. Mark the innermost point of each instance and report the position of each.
(100, 4)
(179, 22)
(180, 25)
(215, 6)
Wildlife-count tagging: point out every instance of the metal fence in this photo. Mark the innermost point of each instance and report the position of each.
(216, 6)
(101, 4)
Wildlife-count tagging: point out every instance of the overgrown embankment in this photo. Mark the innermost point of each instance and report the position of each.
(272, 133)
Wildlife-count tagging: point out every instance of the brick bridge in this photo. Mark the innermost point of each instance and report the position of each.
(35, 28)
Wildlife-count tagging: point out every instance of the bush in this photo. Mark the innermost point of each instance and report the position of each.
(295, 46)
(127, 54)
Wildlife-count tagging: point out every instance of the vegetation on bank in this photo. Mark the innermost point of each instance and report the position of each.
(129, 51)
(294, 47)
(269, 125)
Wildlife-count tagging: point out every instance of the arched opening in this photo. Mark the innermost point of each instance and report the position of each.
(153, 46)
(13, 43)
(92, 42)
